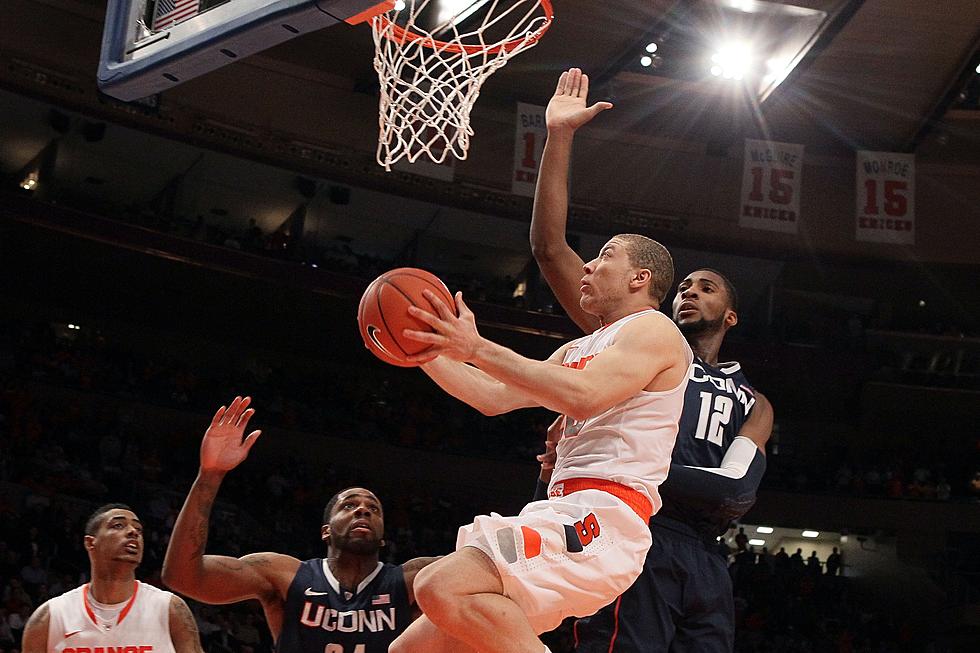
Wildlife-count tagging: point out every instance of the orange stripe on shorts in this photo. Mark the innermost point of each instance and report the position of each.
(532, 542)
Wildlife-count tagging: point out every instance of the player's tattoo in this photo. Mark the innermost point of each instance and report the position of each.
(183, 620)
(232, 565)
(207, 493)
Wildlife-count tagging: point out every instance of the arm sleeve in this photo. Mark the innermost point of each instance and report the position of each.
(729, 489)
(540, 490)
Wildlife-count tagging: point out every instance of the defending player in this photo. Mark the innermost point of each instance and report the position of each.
(683, 601)
(621, 391)
(348, 602)
(114, 609)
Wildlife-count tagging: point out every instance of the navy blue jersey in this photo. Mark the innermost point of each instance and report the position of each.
(717, 403)
(321, 617)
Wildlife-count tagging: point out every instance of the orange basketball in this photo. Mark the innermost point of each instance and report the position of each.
(383, 313)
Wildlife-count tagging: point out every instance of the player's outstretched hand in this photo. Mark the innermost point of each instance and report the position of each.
(224, 448)
(567, 110)
(451, 336)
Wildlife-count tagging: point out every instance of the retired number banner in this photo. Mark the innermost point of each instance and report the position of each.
(528, 145)
(885, 197)
(771, 186)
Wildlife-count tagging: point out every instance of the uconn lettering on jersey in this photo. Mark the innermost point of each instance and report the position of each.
(349, 621)
(108, 649)
(743, 394)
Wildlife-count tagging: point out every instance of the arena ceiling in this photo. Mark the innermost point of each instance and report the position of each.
(884, 75)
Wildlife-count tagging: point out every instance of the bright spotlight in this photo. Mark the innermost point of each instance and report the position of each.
(645, 61)
(764, 529)
(716, 70)
(651, 47)
(399, 5)
(978, 68)
(756, 542)
(735, 59)
(810, 533)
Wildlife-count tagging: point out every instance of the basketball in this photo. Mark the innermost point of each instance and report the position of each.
(382, 314)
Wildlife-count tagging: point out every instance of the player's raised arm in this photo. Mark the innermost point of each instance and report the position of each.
(644, 348)
(559, 263)
(215, 578)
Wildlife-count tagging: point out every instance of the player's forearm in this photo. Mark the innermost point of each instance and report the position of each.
(557, 388)
(550, 215)
(737, 478)
(183, 566)
(560, 265)
(472, 386)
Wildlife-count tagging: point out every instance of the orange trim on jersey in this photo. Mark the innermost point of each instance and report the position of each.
(125, 610)
(532, 542)
(632, 498)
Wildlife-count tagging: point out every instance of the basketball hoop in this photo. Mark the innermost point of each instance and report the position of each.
(429, 86)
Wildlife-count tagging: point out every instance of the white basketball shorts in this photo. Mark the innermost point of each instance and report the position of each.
(569, 555)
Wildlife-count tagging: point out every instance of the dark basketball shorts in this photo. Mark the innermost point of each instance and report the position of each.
(681, 603)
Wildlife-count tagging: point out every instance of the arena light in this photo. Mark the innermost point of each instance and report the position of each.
(646, 61)
(651, 47)
(810, 534)
(757, 542)
(399, 5)
(764, 529)
(734, 59)
(29, 182)
(776, 70)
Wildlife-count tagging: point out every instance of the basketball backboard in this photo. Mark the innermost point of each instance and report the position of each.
(149, 46)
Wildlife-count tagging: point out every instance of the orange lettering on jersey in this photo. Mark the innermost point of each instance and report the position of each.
(580, 363)
(588, 529)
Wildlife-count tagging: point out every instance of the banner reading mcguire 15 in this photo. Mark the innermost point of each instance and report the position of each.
(771, 180)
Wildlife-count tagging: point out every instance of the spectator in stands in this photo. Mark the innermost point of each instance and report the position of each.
(813, 564)
(833, 563)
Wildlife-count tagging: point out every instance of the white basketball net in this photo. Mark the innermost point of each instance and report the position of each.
(429, 86)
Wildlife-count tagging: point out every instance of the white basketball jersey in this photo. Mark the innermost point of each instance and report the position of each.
(143, 625)
(631, 442)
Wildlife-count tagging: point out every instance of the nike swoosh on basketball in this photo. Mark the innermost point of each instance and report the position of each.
(309, 592)
(372, 332)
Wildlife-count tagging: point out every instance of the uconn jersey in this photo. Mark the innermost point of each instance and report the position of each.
(321, 617)
(717, 402)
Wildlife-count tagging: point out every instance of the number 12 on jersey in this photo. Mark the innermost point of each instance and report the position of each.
(716, 412)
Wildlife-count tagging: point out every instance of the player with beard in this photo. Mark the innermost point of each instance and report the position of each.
(683, 600)
(114, 610)
(348, 602)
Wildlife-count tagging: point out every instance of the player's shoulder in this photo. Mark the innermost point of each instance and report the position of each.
(648, 324)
